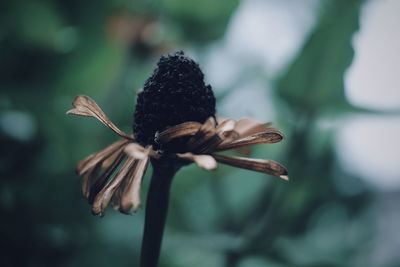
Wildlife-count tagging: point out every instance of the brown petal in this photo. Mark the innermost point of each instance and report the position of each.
(180, 130)
(85, 106)
(130, 197)
(267, 137)
(104, 196)
(259, 165)
(88, 179)
(92, 160)
(246, 126)
(226, 130)
(95, 186)
(206, 162)
(202, 136)
(226, 125)
(210, 144)
(136, 151)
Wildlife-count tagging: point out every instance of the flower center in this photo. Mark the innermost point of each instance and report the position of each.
(175, 93)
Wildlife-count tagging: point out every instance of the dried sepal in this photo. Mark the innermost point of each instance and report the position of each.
(180, 130)
(130, 196)
(206, 162)
(104, 196)
(85, 106)
(259, 165)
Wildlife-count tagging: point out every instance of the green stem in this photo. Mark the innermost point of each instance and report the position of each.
(156, 213)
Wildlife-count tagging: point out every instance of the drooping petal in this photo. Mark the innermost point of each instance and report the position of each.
(104, 196)
(130, 196)
(259, 165)
(85, 106)
(206, 162)
(270, 136)
(98, 183)
(136, 151)
(93, 179)
(177, 131)
(88, 179)
(92, 160)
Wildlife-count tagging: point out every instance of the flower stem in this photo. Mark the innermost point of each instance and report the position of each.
(156, 212)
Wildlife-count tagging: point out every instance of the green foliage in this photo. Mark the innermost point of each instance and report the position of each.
(199, 21)
(53, 50)
(314, 81)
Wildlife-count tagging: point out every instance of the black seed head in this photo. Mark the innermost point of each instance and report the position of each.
(175, 93)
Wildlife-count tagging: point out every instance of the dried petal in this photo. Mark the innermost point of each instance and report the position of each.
(88, 179)
(246, 126)
(96, 186)
(136, 151)
(226, 130)
(104, 196)
(267, 137)
(206, 132)
(180, 130)
(85, 106)
(259, 165)
(210, 144)
(130, 197)
(109, 160)
(203, 161)
(226, 125)
(92, 160)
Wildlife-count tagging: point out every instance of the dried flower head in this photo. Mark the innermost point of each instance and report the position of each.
(174, 124)
(175, 93)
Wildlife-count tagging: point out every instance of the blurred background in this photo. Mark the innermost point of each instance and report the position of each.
(326, 72)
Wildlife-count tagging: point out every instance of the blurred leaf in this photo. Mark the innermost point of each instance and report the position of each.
(200, 21)
(37, 23)
(315, 78)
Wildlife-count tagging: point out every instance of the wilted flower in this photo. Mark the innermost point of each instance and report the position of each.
(175, 125)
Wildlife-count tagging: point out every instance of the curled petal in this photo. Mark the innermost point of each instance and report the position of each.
(226, 130)
(210, 144)
(136, 151)
(203, 161)
(88, 179)
(258, 165)
(104, 196)
(267, 137)
(180, 130)
(200, 141)
(226, 126)
(92, 160)
(97, 185)
(130, 196)
(246, 126)
(85, 106)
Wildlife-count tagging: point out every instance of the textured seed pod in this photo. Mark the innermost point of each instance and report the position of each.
(174, 93)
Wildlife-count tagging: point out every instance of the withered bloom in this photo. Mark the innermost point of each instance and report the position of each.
(174, 124)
